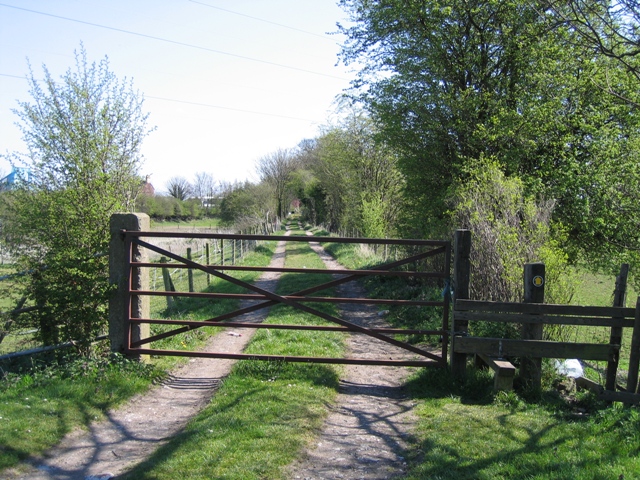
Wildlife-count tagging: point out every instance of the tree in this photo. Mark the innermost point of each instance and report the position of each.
(610, 27)
(359, 177)
(204, 189)
(248, 205)
(275, 170)
(83, 135)
(452, 84)
(179, 188)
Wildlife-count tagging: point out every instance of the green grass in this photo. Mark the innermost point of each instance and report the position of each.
(212, 222)
(264, 412)
(38, 407)
(463, 434)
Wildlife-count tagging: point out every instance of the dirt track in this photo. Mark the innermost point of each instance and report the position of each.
(363, 437)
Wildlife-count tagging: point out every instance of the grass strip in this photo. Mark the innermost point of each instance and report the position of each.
(265, 412)
(39, 406)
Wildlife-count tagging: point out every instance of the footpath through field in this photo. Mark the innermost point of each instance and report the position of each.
(363, 437)
(365, 434)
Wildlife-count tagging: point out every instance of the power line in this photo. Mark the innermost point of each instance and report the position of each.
(261, 20)
(174, 42)
(13, 76)
(228, 108)
(199, 104)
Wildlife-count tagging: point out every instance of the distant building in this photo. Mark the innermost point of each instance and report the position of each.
(18, 175)
(147, 188)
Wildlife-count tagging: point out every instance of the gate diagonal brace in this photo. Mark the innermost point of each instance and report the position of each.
(280, 299)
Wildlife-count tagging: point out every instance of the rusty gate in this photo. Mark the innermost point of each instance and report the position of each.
(416, 254)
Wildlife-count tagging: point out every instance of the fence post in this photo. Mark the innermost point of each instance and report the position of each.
(208, 263)
(615, 337)
(190, 272)
(634, 356)
(461, 277)
(168, 283)
(534, 279)
(120, 331)
(222, 252)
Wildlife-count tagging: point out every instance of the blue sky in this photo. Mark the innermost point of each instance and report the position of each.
(225, 82)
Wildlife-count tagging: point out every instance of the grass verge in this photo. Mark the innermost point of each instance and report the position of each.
(265, 412)
(464, 433)
(38, 408)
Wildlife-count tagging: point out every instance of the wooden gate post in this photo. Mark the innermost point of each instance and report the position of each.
(461, 277)
(534, 280)
(119, 329)
(615, 337)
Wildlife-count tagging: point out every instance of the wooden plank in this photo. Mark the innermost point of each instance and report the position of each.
(624, 397)
(588, 384)
(544, 309)
(471, 316)
(499, 347)
(504, 372)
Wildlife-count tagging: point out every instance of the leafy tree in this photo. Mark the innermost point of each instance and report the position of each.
(452, 83)
(83, 135)
(248, 205)
(359, 177)
(610, 27)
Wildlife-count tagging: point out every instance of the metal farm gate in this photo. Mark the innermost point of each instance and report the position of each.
(420, 259)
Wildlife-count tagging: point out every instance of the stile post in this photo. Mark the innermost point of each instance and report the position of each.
(634, 357)
(461, 279)
(615, 337)
(534, 280)
(122, 306)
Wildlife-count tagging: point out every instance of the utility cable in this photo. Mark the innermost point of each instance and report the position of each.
(173, 42)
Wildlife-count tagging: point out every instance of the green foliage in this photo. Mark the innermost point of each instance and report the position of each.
(248, 205)
(508, 80)
(353, 182)
(509, 229)
(83, 134)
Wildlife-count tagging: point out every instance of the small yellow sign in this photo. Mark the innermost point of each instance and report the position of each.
(538, 281)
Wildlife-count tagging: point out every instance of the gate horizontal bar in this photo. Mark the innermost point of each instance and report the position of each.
(283, 238)
(275, 326)
(388, 273)
(253, 296)
(284, 358)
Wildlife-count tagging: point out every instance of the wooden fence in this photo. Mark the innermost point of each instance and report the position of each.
(533, 315)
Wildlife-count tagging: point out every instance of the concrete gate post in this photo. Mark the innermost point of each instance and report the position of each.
(119, 330)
